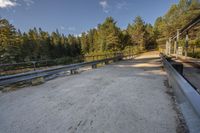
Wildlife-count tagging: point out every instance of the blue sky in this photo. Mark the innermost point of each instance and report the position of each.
(77, 16)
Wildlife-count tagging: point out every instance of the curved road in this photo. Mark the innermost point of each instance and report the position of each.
(124, 97)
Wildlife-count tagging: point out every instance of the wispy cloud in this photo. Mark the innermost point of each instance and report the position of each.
(105, 6)
(71, 28)
(28, 2)
(13, 3)
(62, 27)
(121, 5)
(7, 3)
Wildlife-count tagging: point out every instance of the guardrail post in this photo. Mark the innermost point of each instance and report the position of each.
(94, 66)
(115, 59)
(73, 71)
(106, 62)
(120, 56)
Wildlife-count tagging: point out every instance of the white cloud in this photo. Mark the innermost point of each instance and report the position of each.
(104, 5)
(7, 3)
(78, 35)
(13, 3)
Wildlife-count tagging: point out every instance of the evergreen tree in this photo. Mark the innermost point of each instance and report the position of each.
(85, 46)
(9, 43)
(109, 35)
(137, 32)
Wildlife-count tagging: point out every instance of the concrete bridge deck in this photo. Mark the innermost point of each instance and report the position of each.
(124, 97)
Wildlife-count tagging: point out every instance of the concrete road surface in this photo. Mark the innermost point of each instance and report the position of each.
(125, 97)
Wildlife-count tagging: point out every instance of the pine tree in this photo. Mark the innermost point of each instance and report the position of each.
(9, 47)
(137, 32)
(85, 43)
(109, 35)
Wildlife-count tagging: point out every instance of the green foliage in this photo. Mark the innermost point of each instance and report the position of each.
(109, 35)
(85, 45)
(9, 42)
(109, 38)
(132, 50)
(177, 17)
(37, 44)
(142, 35)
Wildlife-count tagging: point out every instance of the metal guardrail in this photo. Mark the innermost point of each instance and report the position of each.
(186, 96)
(12, 79)
(14, 68)
(53, 60)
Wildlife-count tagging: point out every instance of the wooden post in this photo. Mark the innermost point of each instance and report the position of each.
(34, 65)
(186, 44)
(175, 46)
(177, 41)
(166, 48)
(169, 52)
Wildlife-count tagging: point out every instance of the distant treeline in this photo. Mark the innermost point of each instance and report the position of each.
(37, 44)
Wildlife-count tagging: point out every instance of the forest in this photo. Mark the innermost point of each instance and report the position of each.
(178, 16)
(36, 44)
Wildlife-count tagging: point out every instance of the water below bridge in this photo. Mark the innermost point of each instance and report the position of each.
(124, 97)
